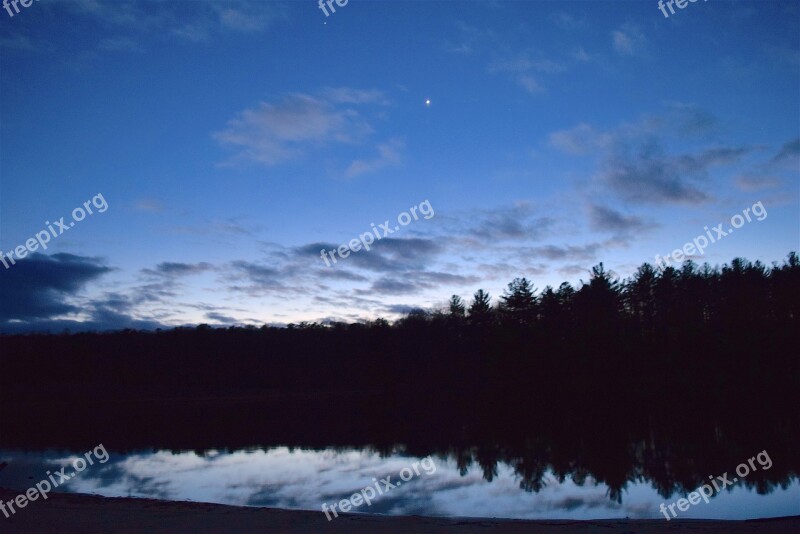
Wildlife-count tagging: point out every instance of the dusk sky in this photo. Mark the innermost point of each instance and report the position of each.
(233, 141)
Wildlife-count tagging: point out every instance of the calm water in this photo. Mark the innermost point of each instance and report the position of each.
(305, 479)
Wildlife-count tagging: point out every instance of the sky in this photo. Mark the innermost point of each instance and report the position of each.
(222, 146)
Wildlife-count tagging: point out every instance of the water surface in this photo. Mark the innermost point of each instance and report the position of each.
(305, 479)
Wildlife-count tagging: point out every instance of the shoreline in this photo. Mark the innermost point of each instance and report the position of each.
(93, 513)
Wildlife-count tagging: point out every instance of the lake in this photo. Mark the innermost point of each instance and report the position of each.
(306, 479)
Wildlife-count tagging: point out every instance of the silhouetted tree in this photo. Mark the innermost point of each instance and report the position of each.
(480, 311)
(456, 307)
(598, 304)
(518, 304)
(640, 299)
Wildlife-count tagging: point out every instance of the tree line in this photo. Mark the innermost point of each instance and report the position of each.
(651, 302)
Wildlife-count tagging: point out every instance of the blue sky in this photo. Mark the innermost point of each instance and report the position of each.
(234, 140)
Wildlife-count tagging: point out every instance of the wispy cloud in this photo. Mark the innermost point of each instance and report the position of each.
(755, 182)
(565, 252)
(568, 21)
(173, 270)
(347, 95)
(17, 41)
(634, 160)
(519, 221)
(789, 152)
(580, 140)
(189, 21)
(628, 40)
(606, 219)
(246, 15)
(389, 154)
(148, 205)
(580, 54)
(525, 69)
(274, 133)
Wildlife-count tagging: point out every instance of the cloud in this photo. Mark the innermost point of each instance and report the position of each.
(460, 48)
(574, 269)
(767, 173)
(119, 12)
(17, 41)
(530, 84)
(388, 155)
(246, 16)
(190, 21)
(647, 174)
(341, 275)
(193, 32)
(148, 205)
(273, 133)
(568, 21)
(347, 95)
(628, 40)
(509, 222)
(523, 63)
(401, 309)
(388, 286)
(387, 255)
(261, 277)
(580, 140)
(220, 318)
(521, 69)
(561, 253)
(470, 38)
(298, 272)
(575, 502)
(39, 291)
(396, 255)
(605, 219)
(692, 120)
(789, 152)
(416, 282)
(38, 286)
(622, 43)
(650, 176)
(175, 270)
(635, 165)
(579, 54)
(163, 283)
(755, 182)
(713, 156)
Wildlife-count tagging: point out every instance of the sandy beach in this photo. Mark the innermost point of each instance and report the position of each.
(90, 513)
